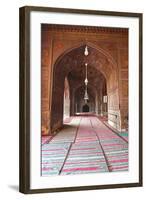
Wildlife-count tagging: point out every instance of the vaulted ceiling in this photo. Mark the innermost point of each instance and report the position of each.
(74, 61)
(72, 66)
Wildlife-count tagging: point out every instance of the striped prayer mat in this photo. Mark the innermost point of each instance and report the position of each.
(55, 152)
(53, 156)
(46, 139)
(68, 133)
(84, 146)
(115, 148)
(124, 135)
(67, 120)
(86, 157)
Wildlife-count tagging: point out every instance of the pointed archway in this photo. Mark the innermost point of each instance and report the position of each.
(72, 66)
(62, 52)
(85, 108)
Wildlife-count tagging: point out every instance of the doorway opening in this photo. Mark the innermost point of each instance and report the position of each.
(85, 108)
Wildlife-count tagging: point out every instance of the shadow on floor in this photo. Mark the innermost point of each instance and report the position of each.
(14, 187)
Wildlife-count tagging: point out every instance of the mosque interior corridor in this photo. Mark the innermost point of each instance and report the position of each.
(84, 99)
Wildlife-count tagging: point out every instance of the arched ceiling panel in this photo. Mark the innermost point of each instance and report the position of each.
(75, 60)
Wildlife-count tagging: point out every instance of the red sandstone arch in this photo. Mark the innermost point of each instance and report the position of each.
(71, 59)
(109, 55)
(89, 44)
(103, 56)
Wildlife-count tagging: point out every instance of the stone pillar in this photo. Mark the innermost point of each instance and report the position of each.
(113, 101)
(123, 85)
(46, 70)
(66, 104)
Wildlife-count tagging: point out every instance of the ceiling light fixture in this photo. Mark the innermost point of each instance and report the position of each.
(86, 97)
(86, 51)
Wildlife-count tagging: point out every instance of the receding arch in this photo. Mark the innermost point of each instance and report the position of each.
(85, 108)
(89, 44)
(62, 51)
(74, 59)
(105, 55)
(79, 98)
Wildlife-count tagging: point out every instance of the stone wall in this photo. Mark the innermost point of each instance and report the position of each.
(61, 53)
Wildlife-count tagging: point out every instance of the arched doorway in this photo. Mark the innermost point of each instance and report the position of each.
(71, 65)
(79, 98)
(85, 108)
